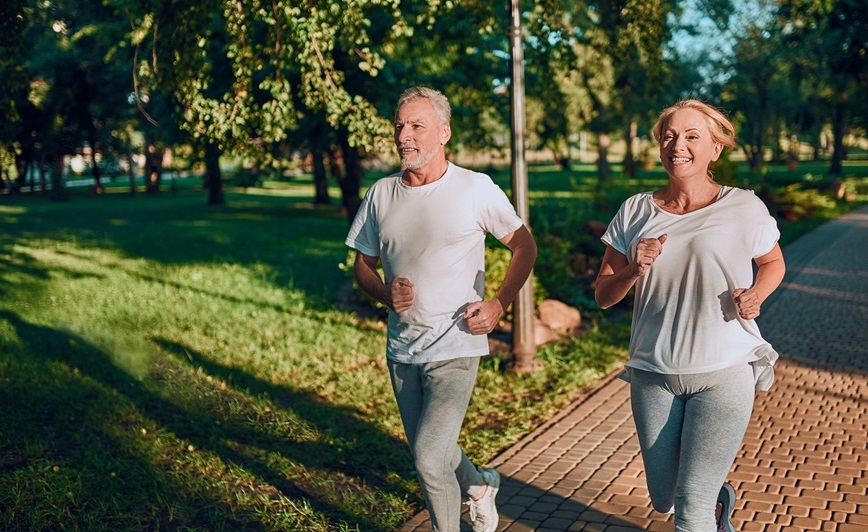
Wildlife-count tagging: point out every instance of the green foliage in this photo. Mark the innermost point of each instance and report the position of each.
(568, 254)
(497, 258)
(13, 78)
(724, 170)
(251, 70)
(796, 202)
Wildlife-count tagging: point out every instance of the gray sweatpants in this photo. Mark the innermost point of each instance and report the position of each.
(690, 429)
(432, 399)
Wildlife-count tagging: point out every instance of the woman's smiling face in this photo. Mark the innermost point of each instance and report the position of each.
(686, 145)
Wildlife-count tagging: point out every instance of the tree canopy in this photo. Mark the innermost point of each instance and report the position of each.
(274, 79)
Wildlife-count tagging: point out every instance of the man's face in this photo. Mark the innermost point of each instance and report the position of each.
(419, 133)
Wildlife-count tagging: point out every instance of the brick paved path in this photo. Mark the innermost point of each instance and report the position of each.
(804, 461)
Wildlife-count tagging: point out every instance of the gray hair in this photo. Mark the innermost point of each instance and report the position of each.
(436, 98)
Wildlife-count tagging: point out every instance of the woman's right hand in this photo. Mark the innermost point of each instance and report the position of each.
(647, 252)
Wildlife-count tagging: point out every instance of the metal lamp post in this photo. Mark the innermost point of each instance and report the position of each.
(523, 344)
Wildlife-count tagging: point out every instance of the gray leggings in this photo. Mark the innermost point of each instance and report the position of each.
(690, 429)
(433, 399)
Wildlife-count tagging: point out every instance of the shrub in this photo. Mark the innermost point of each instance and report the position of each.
(796, 202)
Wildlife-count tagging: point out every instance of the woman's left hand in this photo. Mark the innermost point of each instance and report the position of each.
(747, 302)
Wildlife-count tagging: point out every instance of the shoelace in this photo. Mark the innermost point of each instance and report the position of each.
(474, 513)
(472, 510)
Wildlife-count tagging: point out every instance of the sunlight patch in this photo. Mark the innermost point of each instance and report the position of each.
(8, 209)
(132, 355)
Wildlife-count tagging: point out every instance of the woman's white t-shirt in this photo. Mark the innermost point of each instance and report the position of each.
(434, 235)
(684, 318)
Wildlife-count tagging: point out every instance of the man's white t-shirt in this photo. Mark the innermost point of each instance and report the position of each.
(684, 318)
(434, 235)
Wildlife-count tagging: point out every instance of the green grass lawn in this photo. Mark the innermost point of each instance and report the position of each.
(166, 364)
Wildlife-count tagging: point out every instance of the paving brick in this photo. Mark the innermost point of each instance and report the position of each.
(553, 523)
(757, 506)
(804, 461)
(825, 495)
(858, 519)
(850, 528)
(822, 515)
(806, 523)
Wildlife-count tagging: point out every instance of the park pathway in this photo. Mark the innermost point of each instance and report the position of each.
(804, 461)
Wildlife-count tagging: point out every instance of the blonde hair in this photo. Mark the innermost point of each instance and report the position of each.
(438, 101)
(722, 130)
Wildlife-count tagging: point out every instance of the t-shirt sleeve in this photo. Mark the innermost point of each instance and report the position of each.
(766, 233)
(497, 214)
(615, 234)
(364, 231)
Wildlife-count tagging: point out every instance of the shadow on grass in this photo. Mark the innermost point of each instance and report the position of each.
(71, 406)
(301, 245)
(358, 448)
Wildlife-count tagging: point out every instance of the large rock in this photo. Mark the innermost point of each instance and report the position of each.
(542, 334)
(559, 316)
(555, 320)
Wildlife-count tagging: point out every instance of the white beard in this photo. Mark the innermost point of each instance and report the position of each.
(421, 159)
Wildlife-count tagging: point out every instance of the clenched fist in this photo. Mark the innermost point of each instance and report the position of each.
(747, 302)
(646, 253)
(401, 294)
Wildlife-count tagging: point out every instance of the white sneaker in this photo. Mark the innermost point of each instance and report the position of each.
(483, 513)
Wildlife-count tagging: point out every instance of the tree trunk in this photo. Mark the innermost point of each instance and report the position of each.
(57, 190)
(352, 181)
(153, 167)
(756, 150)
(213, 176)
(97, 184)
(839, 129)
(335, 165)
(756, 159)
(320, 180)
(778, 152)
(132, 171)
(32, 164)
(603, 173)
(23, 166)
(629, 156)
(43, 182)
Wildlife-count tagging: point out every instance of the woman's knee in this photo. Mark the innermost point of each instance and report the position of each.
(432, 469)
(694, 514)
